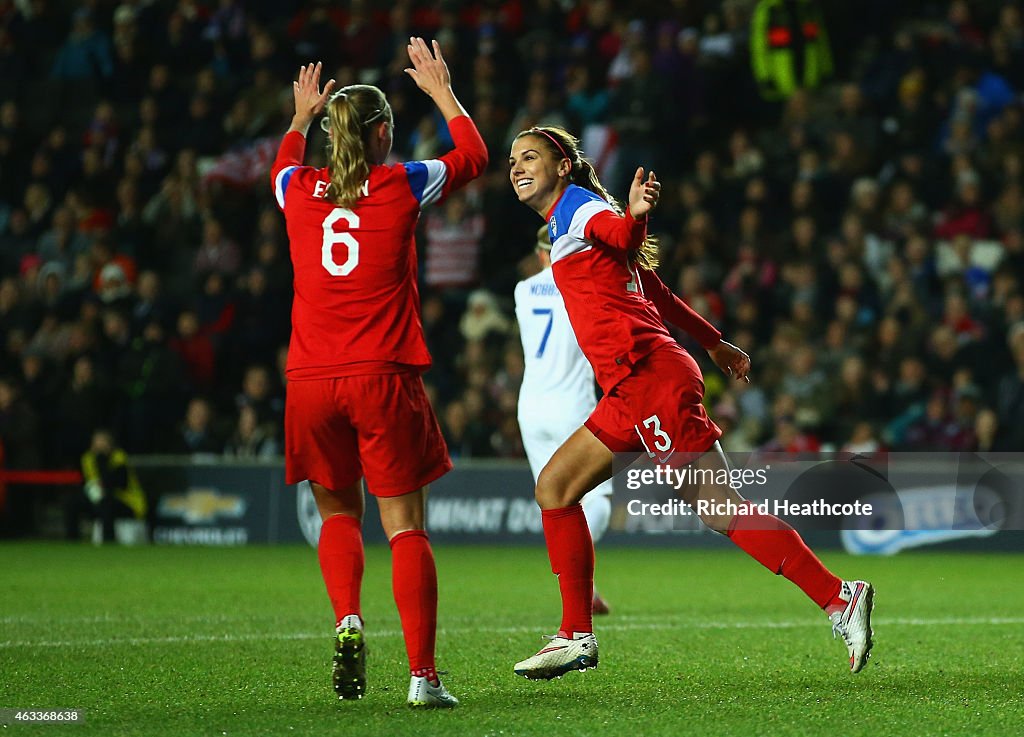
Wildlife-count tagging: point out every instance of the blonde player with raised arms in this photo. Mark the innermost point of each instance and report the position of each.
(356, 406)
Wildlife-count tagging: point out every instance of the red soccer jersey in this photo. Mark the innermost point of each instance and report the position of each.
(356, 308)
(617, 310)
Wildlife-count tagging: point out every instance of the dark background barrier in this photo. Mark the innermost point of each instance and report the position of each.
(236, 504)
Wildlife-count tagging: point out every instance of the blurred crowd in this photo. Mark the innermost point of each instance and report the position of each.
(863, 241)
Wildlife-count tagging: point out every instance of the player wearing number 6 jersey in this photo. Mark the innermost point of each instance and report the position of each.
(356, 405)
(557, 393)
(603, 264)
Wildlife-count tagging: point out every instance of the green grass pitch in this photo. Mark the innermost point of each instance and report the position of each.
(202, 641)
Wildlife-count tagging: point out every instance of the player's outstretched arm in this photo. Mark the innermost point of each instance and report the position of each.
(643, 194)
(309, 102)
(430, 73)
(732, 360)
(469, 158)
(309, 99)
(675, 311)
(627, 232)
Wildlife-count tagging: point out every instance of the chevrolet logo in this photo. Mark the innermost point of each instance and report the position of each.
(197, 506)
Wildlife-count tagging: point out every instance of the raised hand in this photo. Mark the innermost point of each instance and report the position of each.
(643, 195)
(733, 361)
(309, 100)
(429, 72)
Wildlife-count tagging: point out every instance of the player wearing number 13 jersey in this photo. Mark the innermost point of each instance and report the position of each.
(557, 394)
(356, 405)
(603, 265)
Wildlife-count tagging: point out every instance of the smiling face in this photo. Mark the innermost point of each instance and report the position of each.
(538, 176)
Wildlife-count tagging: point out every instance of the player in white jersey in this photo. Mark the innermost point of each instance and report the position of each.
(558, 392)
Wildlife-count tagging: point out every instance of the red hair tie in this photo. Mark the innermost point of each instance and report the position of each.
(554, 141)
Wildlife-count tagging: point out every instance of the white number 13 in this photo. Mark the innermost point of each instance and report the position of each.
(331, 239)
(662, 440)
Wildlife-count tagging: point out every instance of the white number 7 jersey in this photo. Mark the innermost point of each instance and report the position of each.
(558, 392)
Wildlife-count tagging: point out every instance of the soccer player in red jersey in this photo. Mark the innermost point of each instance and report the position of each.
(603, 264)
(356, 405)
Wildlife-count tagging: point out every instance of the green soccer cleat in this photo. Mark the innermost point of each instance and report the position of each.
(349, 668)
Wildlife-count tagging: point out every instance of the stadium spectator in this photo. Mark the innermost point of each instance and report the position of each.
(636, 110)
(453, 245)
(149, 379)
(195, 348)
(216, 252)
(483, 318)
(261, 319)
(62, 242)
(986, 433)
(1010, 396)
(197, 434)
(112, 492)
(19, 426)
(149, 302)
(936, 429)
(16, 241)
(586, 100)
(259, 392)
(276, 268)
(215, 305)
(85, 404)
(466, 436)
(86, 54)
(863, 440)
(252, 439)
(21, 446)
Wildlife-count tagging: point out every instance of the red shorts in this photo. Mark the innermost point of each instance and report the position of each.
(380, 426)
(657, 409)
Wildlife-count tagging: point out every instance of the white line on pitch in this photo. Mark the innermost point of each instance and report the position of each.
(624, 627)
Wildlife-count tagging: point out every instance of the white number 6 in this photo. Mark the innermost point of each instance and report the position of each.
(331, 238)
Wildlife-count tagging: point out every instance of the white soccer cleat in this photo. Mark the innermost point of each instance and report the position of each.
(854, 622)
(424, 695)
(560, 656)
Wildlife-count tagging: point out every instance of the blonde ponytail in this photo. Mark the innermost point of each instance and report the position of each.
(350, 111)
(582, 173)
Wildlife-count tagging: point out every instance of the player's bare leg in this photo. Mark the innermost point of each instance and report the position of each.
(578, 466)
(414, 583)
(779, 548)
(341, 562)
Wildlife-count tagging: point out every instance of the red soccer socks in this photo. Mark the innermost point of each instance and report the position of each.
(414, 582)
(572, 559)
(342, 562)
(780, 549)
